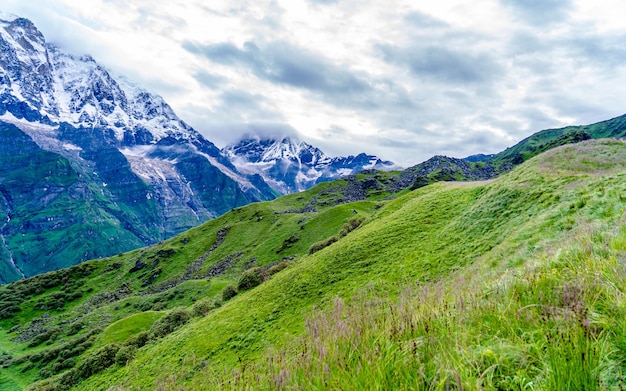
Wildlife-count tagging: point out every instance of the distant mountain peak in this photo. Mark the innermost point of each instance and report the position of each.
(76, 89)
(8, 17)
(291, 165)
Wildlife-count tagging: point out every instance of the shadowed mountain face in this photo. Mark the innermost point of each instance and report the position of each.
(93, 165)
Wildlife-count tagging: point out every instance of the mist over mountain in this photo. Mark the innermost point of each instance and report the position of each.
(290, 165)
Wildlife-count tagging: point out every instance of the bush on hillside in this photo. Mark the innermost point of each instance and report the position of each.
(204, 306)
(251, 278)
(43, 337)
(280, 266)
(8, 310)
(351, 225)
(125, 354)
(170, 322)
(317, 246)
(138, 340)
(229, 292)
(97, 361)
(75, 328)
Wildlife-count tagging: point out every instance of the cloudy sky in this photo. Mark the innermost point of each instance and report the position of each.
(404, 80)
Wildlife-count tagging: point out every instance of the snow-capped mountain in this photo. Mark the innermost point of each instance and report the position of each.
(290, 165)
(92, 164)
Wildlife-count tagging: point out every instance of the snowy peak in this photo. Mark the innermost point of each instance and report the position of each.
(257, 150)
(291, 149)
(25, 70)
(121, 159)
(39, 81)
(291, 165)
(90, 96)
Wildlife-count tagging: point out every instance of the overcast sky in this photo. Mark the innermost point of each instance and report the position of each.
(404, 80)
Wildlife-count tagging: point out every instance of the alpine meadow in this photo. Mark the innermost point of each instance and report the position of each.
(513, 283)
(136, 254)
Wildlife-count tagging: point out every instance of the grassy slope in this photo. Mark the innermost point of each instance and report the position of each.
(546, 139)
(553, 223)
(95, 294)
(539, 224)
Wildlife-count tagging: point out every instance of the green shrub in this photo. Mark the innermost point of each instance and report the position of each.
(27, 367)
(170, 322)
(75, 328)
(69, 363)
(229, 292)
(351, 225)
(56, 367)
(41, 338)
(204, 306)
(97, 361)
(45, 373)
(125, 354)
(280, 266)
(8, 311)
(138, 340)
(67, 379)
(49, 355)
(317, 246)
(251, 278)
(65, 353)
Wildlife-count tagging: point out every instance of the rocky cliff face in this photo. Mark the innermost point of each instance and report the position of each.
(290, 165)
(92, 164)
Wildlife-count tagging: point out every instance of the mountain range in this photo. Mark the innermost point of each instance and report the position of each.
(91, 164)
(290, 165)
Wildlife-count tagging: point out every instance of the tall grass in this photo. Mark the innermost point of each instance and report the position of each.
(554, 324)
(516, 284)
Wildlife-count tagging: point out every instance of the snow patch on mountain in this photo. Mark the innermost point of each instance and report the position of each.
(45, 136)
(291, 165)
(7, 17)
(242, 181)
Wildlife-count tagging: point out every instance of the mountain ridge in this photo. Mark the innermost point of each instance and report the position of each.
(138, 174)
(144, 173)
(292, 165)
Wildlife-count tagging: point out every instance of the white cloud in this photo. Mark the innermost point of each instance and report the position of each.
(401, 79)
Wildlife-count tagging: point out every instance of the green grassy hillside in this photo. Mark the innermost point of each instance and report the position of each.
(550, 138)
(515, 283)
